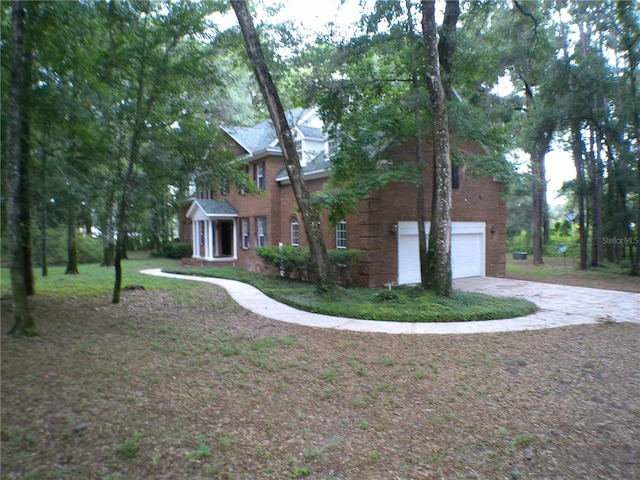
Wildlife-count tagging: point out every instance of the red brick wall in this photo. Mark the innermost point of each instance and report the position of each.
(476, 200)
(370, 228)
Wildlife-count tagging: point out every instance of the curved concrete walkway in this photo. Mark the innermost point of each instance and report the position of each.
(559, 306)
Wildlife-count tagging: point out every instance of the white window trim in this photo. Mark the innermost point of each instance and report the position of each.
(245, 234)
(260, 231)
(260, 176)
(341, 240)
(294, 222)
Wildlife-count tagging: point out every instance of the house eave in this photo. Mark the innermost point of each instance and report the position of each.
(265, 152)
(314, 175)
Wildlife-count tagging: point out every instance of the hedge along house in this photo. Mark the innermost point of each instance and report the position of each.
(225, 228)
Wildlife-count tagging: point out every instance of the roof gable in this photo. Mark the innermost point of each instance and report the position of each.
(263, 135)
(211, 208)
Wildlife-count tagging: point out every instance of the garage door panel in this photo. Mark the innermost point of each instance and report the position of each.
(408, 259)
(467, 250)
(466, 255)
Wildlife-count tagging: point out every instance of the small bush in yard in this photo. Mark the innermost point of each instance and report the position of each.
(176, 250)
(295, 262)
(130, 447)
(387, 296)
(291, 262)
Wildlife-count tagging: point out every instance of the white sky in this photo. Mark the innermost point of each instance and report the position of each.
(316, 14)
(560, 168)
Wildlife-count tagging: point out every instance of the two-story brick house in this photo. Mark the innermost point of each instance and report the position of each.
(226, 227)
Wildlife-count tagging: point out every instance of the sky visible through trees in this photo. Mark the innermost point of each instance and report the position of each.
(314, 17)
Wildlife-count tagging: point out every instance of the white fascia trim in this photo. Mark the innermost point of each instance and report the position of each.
(196, 213)
(322, 173)
(265, 152)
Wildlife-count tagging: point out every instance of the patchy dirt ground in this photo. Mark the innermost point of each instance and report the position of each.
(186, 385)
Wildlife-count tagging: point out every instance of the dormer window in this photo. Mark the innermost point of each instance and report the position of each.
(298, 145)
(258, 175)
(332, 145)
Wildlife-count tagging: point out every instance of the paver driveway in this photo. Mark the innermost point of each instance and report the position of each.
(559, 305)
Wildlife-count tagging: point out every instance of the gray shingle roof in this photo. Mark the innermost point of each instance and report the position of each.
(259, 137)
(311, 132)
(255, 138)
(319, 164)
(216, 207)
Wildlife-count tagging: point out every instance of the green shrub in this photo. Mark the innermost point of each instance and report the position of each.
(131, 446)
(387, 296)
(562, 234)
(520, 242)
(176, 250)
(295, 262)
(291, 262)
(343, 264)
(89, 249)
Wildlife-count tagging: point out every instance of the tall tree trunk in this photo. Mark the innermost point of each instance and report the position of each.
(439, 254)
(117, 285)
(539, 151)
(420, 156)
(121, 240)
(121, 223)
(124, 252)
(610, 207)
(447, 41)
(310, 217)
(72, 245)
(577, 150)
(25, 203)
(626, 13)
(546, 228)
(23, 322)
(109, 231)
(44, 264)
(595, 189)
(618, 213)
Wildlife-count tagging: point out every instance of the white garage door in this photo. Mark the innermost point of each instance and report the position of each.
(467, 250)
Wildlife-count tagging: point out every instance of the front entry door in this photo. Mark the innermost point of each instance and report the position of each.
(226, 238)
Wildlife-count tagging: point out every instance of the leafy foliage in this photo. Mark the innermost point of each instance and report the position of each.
(175, 250)
(89, 248)
(295, 262)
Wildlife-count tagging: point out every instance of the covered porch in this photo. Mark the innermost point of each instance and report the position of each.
(214, 230)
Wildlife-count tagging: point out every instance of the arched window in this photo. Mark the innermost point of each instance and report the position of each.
(294, 231)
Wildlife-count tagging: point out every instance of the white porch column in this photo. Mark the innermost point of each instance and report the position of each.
(214, 243)
(194, 238)
(234, 239)
(216, 239)
(207, 239)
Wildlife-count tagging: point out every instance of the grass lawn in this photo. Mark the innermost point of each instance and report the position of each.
(401, 304)
(95, 281)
